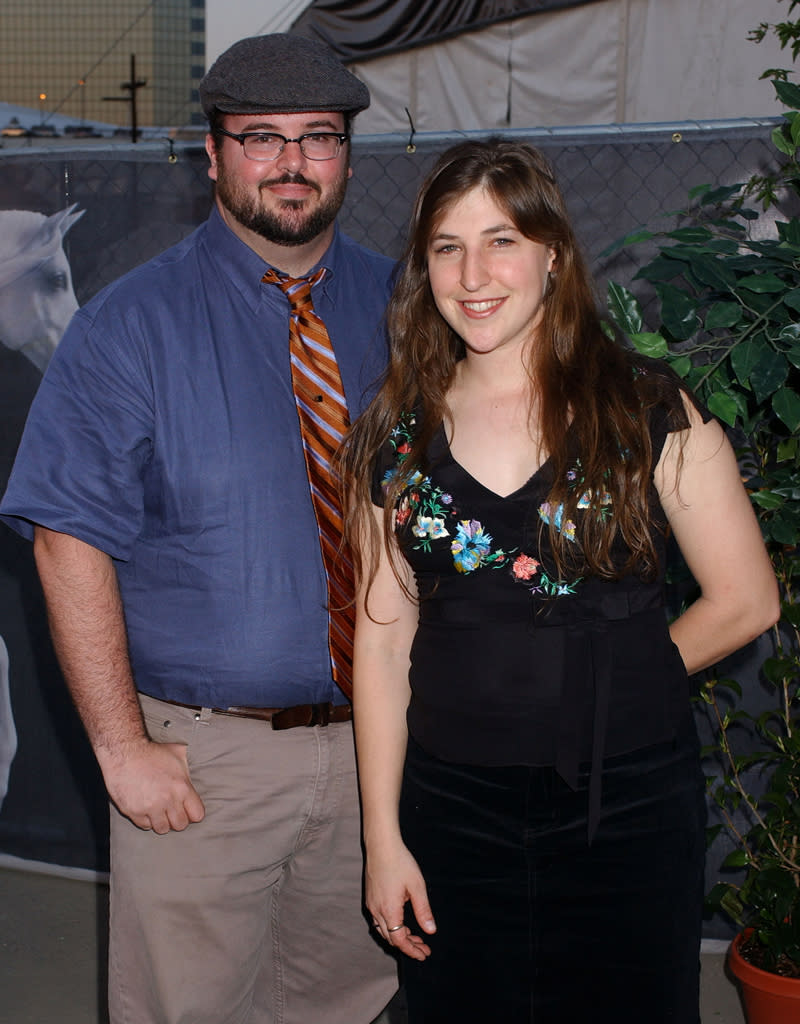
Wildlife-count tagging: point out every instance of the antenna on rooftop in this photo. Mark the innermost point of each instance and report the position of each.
(132, 87)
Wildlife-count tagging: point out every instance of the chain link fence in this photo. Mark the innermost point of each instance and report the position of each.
(616, 178)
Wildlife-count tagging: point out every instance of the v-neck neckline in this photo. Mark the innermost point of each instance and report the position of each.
(442, 439)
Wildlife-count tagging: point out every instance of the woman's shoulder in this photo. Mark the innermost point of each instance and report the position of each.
(394, 452)
(662, 393)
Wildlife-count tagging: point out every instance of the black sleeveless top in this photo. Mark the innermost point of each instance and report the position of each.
(511, 664)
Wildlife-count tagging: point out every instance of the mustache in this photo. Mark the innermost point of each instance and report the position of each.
(289, 179)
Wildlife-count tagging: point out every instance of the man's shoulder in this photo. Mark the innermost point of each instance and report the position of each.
(364, 260)
(163, 273)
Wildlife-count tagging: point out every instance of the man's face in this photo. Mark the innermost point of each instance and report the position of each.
(290, 200)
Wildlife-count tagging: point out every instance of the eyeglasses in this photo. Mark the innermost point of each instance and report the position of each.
(269, 145)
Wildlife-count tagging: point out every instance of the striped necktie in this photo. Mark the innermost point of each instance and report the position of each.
(322, 412)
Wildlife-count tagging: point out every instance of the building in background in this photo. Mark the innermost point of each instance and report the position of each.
(66, 57)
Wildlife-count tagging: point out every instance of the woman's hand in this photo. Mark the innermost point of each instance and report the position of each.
(392, 879)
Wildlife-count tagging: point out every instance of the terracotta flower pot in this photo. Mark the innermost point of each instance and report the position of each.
(768, 998)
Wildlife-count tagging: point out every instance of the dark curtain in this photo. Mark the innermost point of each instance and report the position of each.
(370, 28)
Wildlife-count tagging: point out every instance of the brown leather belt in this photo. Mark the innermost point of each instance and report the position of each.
(283, 718)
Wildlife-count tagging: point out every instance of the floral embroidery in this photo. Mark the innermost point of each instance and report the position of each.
(586, 500)
(526, 569)
(471, 548)
(430, 514)
(546, 514)
(428, 504)
(430, 526)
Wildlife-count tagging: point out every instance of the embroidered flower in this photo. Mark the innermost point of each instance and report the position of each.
(586, 500)
(430, 527)
(403, 513)
(524, 567)
(529, 571)
(547, 515)
(438, 529)
(470, 545)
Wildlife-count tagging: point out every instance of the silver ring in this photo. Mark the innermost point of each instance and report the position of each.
(396, 928)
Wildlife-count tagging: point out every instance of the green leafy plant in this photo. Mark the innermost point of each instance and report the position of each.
(728, 312)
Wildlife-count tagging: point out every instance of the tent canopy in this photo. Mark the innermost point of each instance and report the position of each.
(372, 28)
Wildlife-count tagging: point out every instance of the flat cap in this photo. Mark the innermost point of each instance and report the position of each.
(281, 74)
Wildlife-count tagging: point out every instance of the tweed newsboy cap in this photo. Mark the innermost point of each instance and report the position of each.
(281, 74)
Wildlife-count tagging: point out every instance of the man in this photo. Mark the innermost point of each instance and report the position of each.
(163, 475)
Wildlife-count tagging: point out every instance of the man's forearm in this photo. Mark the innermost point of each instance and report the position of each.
(88, 629)
(149, 782)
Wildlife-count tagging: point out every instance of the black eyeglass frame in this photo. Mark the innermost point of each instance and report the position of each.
(241, 138)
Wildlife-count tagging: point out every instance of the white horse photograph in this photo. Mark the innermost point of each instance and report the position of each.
(36, 295)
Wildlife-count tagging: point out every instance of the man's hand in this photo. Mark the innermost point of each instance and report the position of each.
(149, 783)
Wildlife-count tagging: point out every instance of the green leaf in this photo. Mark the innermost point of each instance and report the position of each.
(783, 529)
(744, 357)
(642, 235)
(778, 669)
(788, 93)
(681, 365)
(712, 271)
(736, 859)
(766, 499)
(789, 231)
(792, 299)
(769, 374)
(791, 612)
(723, 407)
(721, 194)
(691, 235)
(661, 268)
(723, 314)
(724, 245)
(608, 330)
(781, 143)
(652, 345)
(678, 312)
(624, 308)
(761, 283)
(791, 332)
(786, 404)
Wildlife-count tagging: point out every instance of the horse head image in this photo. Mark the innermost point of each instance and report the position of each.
(36, 295)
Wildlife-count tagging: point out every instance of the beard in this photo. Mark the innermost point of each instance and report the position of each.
(288, 223)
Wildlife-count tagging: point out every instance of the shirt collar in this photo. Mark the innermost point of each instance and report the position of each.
(246, 268)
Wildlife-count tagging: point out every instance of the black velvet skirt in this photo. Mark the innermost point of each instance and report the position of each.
(535, 925)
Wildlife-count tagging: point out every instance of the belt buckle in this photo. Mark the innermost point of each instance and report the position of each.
(289, 718)
(320, 714)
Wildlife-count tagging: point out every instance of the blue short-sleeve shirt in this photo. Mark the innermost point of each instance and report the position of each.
(165, 434)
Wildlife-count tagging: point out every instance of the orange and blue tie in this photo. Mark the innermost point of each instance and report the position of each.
(322, 413)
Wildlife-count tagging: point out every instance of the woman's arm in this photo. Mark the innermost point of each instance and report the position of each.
(718, 534)
(380, 699)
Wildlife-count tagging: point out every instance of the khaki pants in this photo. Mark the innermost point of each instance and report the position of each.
(254, 915)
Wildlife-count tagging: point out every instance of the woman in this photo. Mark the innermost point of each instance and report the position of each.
(533, 802)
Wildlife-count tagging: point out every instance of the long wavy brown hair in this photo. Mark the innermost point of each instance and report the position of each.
(583, 383)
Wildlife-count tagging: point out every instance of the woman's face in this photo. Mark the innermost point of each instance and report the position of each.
(487, 279)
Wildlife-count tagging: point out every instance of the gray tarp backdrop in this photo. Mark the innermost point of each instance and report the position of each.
(371, 28)
(133, 203)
